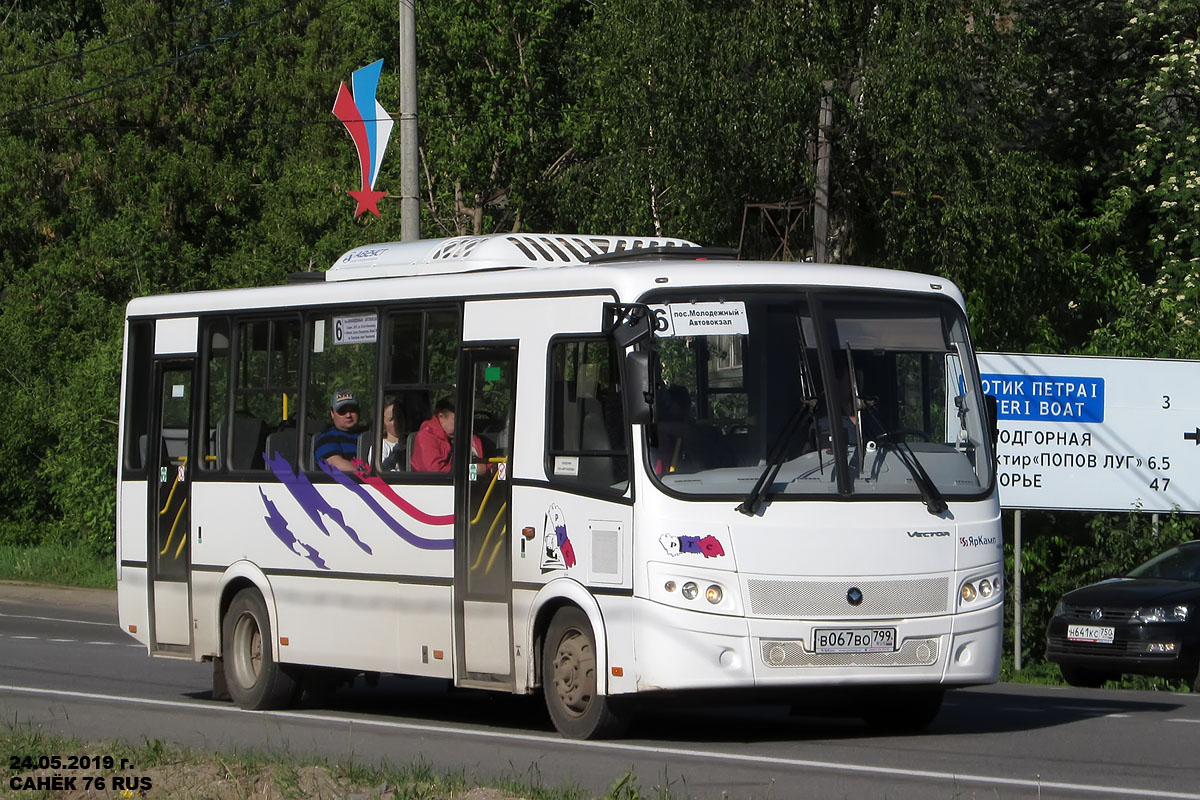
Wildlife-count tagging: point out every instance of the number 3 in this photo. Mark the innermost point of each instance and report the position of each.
(1166, 401)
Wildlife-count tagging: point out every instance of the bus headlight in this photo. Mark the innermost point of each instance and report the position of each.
(695, 589)
(980, 591)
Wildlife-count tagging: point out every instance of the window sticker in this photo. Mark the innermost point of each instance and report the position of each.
(355, 330)
(700, 319)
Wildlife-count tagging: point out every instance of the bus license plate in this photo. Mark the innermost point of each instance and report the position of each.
(855, 640)
(1100, 634)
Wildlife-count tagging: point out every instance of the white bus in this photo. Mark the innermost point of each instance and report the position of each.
(669, 472)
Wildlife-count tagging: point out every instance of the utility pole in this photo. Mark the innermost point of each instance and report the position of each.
(410, 206)
(824, 155)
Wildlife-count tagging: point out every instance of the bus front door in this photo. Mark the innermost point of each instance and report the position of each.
(482, 561)
(169, 548)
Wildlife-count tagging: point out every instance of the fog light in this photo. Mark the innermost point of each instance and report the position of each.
(1160, 647)
(985, 588)
(690, 590)
(968, 593)
(669, 586)
(714, 594)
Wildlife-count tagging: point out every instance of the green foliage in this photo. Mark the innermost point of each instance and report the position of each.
(1042, 155)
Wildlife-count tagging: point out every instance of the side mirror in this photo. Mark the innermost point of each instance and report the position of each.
(627, 323)
(640, 378)
(993, 416)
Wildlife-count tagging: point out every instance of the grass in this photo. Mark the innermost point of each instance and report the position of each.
(59, 564)
(182, 773)
(1047, 674)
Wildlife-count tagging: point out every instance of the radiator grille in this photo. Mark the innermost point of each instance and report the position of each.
(913, 653)
(904, 597)
(1110, 614)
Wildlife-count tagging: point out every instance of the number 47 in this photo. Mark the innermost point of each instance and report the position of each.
(1160, 484)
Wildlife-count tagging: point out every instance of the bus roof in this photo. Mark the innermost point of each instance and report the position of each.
(510, 264)
(476, 253)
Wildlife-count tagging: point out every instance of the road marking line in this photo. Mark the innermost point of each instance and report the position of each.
(60, 640)
(24, 637)
(1193, 721)
(676, 752)
(57, 619)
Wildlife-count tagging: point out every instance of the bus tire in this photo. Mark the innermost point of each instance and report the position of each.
(254, 679)
(569, 680)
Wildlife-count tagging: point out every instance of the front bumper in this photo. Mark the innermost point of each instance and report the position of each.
(685, 650)
(1169, 650)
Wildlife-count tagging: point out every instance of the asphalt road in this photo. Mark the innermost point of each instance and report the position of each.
(65, 665)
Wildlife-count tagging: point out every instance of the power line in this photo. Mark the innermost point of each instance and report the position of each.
(101, 48)
(697, 107)
(194, 50)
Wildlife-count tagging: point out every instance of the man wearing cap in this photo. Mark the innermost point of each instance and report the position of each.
(338, 444)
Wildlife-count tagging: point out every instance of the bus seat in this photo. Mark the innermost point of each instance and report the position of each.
(249, 438)
(176, 440)
(284, 443)
(593, 435)
(408, 450)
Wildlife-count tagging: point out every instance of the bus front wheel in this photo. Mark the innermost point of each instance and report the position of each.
(252, 675)
(569, 680)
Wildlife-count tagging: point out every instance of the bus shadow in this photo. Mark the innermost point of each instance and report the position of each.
(685, 719)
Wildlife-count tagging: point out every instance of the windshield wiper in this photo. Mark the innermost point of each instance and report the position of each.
(808, 403)
(753, 502)
(932, 498)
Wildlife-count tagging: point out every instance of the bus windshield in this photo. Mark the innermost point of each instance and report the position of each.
(861, 394)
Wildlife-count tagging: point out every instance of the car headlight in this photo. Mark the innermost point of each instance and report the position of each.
(1060, 609)
(1161, 614)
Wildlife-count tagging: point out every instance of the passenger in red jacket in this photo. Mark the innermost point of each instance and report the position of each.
(434, 443)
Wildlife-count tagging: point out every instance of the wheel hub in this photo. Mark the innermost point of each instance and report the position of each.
(574, 673)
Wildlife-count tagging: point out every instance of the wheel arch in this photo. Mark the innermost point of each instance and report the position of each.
(245, 575)
(557, 594)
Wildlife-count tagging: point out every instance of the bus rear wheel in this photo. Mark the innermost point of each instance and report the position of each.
(569, 681)
(255, 680)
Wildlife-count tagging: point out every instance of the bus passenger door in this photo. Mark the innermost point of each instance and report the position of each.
(482, 551)
(169, 548)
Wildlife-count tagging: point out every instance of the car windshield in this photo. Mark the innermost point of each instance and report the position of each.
(867, 394)
(1177, 564)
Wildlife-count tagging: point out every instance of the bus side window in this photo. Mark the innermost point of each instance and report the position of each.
(420, 366)
(341, 359)
(585, 421)
(216, 391)
(266, 388)
(137, 398)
